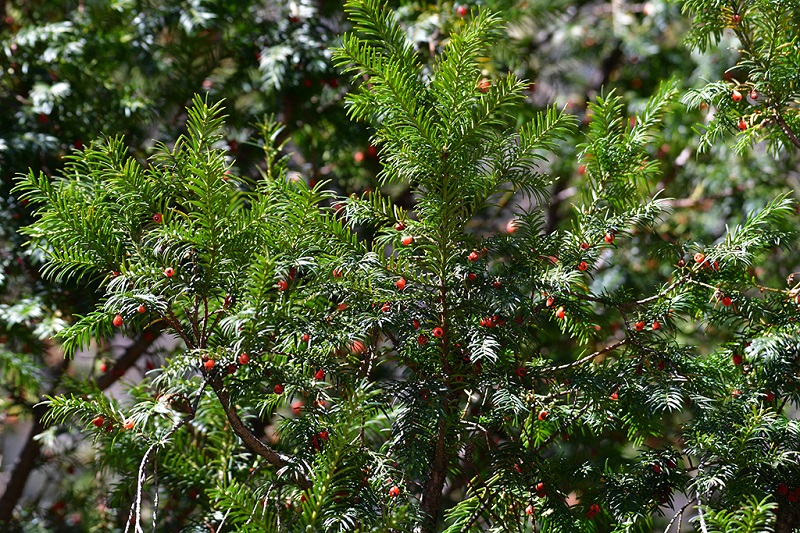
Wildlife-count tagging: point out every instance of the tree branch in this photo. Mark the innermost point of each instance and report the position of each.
(786, 129)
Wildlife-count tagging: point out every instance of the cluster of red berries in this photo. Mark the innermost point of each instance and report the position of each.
(640, 325)
(593, 511)
(493, 321)
(792, 494)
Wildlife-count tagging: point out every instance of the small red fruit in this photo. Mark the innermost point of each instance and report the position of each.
(736, 96)
(128, 424)
(472, 276)
(511, 226)
(117, 321)
(422, 340)
(584, 246)
(560, 313)
(737, 359)
(483, 85)
(158, 218)
(244, 358)
(169, 272)
(407, 240)
(609, 238)
(540, 489)
(529, 510)
(141, 309)
(742, 124)
(735, 18)
(522, 371)
(754, 94)
(209, 364)
(462, 11)
(726, 301)
(337, 272)
(582, 265)
(473, 256)
(399, 226)
(543, 415)
(657, 468)
(783, 489)
(386, 307)
(305, 338)
(699, 257)
(98, 421)
(323, 435)
(283, 285)
(438, 332)
(769, 396)
(400, 284)
(656, 325)
(103, 367)
(497, 284)
(415, 323)
(278, 389)
(319, 375)
(614, 396)
(358, 157)
(297, 407)
(550, 301)
(736, 393)
(639, 326)
(394, 492)
(358, 347)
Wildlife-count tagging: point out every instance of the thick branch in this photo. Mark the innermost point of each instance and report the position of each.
(434, 483)
(253, 443)
(786, 129)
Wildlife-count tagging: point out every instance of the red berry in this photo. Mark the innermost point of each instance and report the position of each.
(483, 85)
(540, 489)
(399, 226)
(582, 265)
(486, 322)
(297, 407)
(305, 338)
(98, 421)
(278, 389)
(737, 359)
(699, 257)
(358, 157)
(560, 313)
(511, 226)
(415, 323)
(742, 124)
(662, 365)
(639, 326)
(550, 301)
(292, 273)
(769, 396)
(473, 256)
(103, 367)
(422, 340)
(141, 309)
(400, 284)
(584, 246)
(244, 359)
(472, 276)
(609, 238)
(128, 424)
(283, 285)
(726, 301)
(529, 510)
(169, 272)
(323, 435)
(408, 239)
(209, 364)
(735, 18)
(462, 11)
(522, 371)
(657, 468)
(754, 94)
(656, 325)
(497, 284)
(319, 375)
(118, 321)
(736, 393)
(614, 396)
(386, 307)
(394, 492)
(337, 272)
(438, 332)
(158, 218)
(543, 415)
(736, 96)
(358, 347)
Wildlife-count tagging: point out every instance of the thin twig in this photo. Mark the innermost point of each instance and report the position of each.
(786, 129)
(589, 357)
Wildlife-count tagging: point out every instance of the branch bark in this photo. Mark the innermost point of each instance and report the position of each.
(434, 483)
(253, 443)
(786, 129)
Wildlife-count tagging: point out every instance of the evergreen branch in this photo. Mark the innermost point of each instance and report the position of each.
(785, 128)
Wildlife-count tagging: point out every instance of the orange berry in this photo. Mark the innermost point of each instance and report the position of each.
(407, 240)
(128, 424)
(169, 272)
(319, 375)
(560, 313)
(656, 325)
(736, 96)
(117, 321)
(209, 364)
(639, 326)
(244, 359)
(98, 421)
(438, 332)
(400, 284)
(141, 309)
(394, 492)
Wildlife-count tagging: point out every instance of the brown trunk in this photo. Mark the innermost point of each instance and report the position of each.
(434, 483)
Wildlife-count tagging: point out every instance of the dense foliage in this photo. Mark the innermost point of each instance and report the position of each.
(563, 313)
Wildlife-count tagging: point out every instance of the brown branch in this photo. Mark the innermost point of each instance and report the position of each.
(253, 443)
(609, 348)
(786, 129)
(28, 457)
(434, 483)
